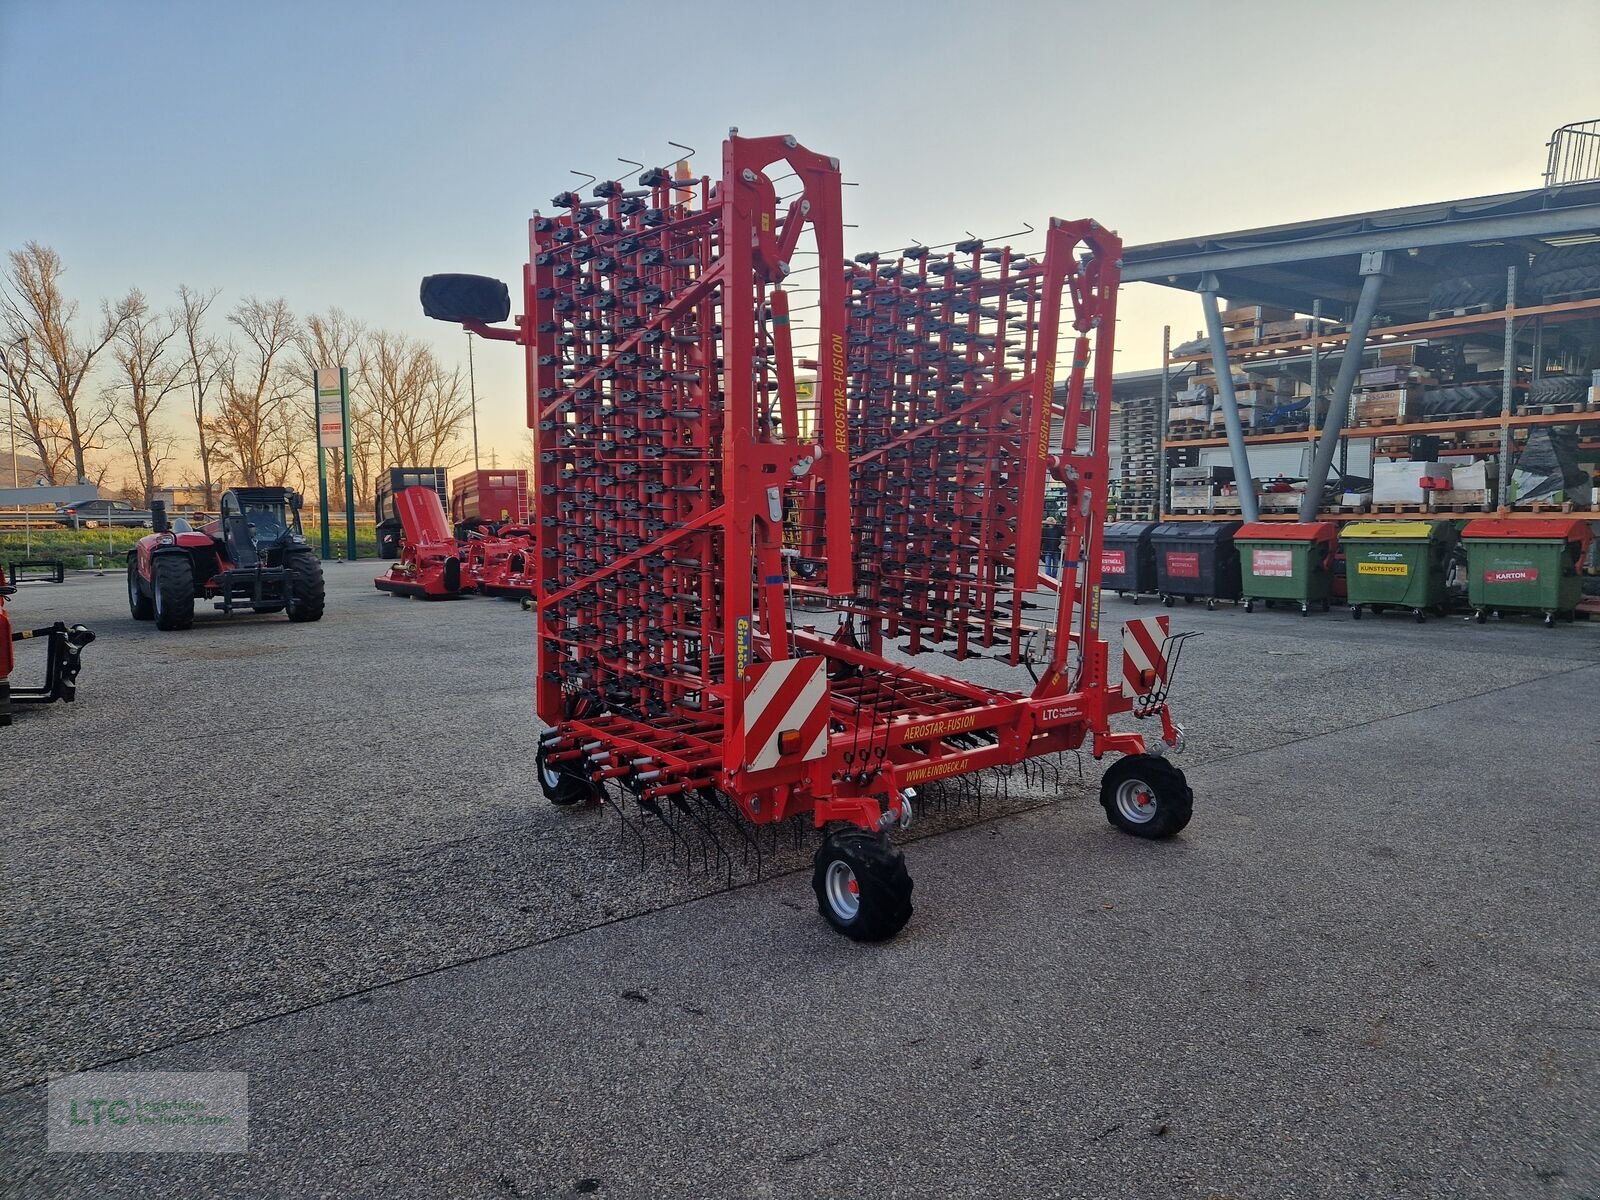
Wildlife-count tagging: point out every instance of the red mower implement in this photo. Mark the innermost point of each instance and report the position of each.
(63, 649)
(430, 558)
(254, 558)
(672, 450)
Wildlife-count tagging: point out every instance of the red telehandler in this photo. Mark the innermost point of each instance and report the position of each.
(254, 557)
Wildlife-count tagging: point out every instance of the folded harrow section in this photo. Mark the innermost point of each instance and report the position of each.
(662, 396)
(952, 359)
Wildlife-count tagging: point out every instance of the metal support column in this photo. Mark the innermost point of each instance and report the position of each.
(1223, 370)
(1374, 269)
(1162, 505)
(1508, 376)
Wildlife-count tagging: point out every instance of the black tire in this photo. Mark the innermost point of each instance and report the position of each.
(1463, 399)
(863, 869)
(1146, 797)
(1565, 258)
(172, 581)
(1167, 600)
(140, 606)
(562, 787)
(1566, 281)
(1250, 605)
(307, 595)
(1355, 612)
(465, 298)
(1483, 617)
(1559, 389)
(1467, 290)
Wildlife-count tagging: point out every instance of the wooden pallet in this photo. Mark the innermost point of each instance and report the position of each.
(1188, 431)
(1379, 422)
(1459, 508)
(1570, 297)
(1466, 310)
(1398, 509)
(1568, 506)
(1550, 410)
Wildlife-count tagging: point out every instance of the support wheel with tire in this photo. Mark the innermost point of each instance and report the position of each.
(1146, 796)
(1355, 612)
(307, 595)
(172, 581)
(563, 788)
(1250, 605)
(862, 886)
(141, 606)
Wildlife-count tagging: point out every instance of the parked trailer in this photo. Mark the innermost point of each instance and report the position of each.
(483, 501)
(662, 395)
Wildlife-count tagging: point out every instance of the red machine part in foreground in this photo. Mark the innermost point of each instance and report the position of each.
(671, 446)
(63, 649)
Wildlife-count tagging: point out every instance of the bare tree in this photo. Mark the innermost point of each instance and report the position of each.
(417, 406)
(205, 360)
(334, 340)
(147, 350)
(33, 309)
(255, 428)
(27, 417)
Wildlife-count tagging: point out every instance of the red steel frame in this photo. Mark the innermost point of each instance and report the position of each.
(662, 395)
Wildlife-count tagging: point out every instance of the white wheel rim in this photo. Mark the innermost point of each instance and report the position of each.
(1136, 801)
(844, 892)
(551, 776)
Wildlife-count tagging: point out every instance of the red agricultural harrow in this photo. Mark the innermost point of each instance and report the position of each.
(674, 456)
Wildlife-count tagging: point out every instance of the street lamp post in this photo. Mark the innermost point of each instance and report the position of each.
(472, 387)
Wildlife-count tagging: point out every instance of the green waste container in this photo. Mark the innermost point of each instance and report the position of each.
(1397, 564)
(1525, 564)
(1278, 561)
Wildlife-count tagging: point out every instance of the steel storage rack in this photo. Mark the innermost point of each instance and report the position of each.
(662, 391)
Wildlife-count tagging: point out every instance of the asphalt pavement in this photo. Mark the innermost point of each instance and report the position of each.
(317, 854)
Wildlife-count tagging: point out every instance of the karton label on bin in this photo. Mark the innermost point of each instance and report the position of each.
(1114, 561)
(1272, 564)
(1379, 568)
(1185, 564)
(1519, 575)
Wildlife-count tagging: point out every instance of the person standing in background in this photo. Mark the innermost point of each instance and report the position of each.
(1050, 546)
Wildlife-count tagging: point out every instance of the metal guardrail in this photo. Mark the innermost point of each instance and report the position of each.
(1574, 154)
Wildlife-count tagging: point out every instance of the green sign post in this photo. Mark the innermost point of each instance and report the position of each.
(333, 433)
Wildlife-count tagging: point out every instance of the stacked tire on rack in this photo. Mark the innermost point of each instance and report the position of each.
(1564, 270)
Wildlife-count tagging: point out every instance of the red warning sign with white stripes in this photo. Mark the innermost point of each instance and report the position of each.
(1143, 645)
(786, 696)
